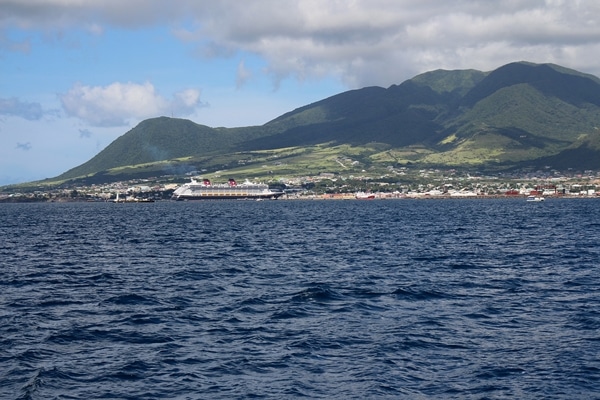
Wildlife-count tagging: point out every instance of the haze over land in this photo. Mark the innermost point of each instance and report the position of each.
(76, 75)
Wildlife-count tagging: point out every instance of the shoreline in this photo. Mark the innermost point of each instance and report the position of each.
(326, 197)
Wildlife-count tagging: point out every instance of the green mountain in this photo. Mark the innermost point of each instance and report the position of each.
(519, 115)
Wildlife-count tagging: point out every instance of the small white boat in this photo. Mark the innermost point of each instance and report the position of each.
(535, 198)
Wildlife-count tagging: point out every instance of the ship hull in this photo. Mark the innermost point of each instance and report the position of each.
(227, 197)
(205, 191)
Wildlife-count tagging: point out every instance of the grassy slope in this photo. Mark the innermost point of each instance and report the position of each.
(516, 121)
(161, 143)
(441, 117)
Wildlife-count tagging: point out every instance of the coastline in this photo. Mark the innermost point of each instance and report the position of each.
(321, 197)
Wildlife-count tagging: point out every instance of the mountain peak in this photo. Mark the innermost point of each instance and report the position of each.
(568, 85)
(453, 81)
(519, 112)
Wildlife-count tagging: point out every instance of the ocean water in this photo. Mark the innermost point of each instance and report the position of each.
(475, 299)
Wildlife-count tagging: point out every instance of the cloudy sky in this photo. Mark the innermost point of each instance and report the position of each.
(76, 74)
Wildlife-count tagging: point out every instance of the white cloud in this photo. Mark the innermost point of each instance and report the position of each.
(23, 146)
(117, 103)
(15, 107)
(186, 101)
(85, 133)
(360, 42)
(243, 74)
(385, 42)
(61, 14)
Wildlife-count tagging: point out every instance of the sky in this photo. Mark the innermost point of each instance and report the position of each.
(77, 74)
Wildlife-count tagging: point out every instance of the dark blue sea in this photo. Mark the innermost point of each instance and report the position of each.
(408, 299)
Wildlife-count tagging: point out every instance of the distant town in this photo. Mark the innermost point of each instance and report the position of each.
(396, 184)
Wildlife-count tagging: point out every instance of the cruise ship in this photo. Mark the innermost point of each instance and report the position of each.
(205, 190)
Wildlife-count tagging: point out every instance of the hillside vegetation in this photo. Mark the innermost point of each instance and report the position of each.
(519, 115)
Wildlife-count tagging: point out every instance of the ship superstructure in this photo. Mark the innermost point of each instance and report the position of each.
(205, 190)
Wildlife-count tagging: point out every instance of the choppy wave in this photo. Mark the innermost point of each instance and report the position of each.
(348, 299)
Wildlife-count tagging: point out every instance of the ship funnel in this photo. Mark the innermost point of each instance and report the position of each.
(232, 182)
(206, 182)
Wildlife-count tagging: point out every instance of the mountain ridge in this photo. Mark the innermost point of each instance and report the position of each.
(520, 114)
